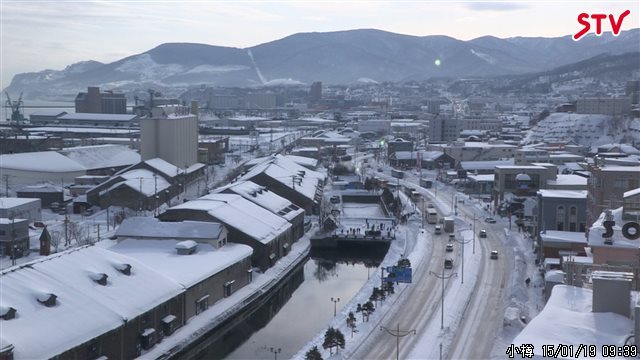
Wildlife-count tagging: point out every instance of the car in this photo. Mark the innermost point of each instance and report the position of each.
(449, 247)
(452, 237)
(380, 169)
(494, 255)
(490, 220)
(448, 264)
(335, 199)
(88, 212)
(483, 233)
(438, 230)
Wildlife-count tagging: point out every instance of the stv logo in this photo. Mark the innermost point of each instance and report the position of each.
(616, 25)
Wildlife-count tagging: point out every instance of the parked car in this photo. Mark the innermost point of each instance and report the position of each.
(448, 264)
(483, 233)
(449, 247)
(88, 212)
(490, 220)
(494, 254)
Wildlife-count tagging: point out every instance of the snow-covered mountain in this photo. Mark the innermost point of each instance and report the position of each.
(334, 57)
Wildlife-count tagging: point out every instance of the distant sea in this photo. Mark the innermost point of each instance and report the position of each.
(31, 106)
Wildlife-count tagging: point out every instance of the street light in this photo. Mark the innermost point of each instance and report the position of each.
(463, 242)
(443, 277)
(397, 333)
(335, 305)
(275, 352)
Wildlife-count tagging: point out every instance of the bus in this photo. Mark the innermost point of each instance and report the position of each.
(397, 173)
(426, 183)
(432, 215)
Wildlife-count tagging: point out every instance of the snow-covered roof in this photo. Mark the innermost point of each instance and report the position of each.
(620, 168)
(520, 167)
(564, 194)
(83, 130)
(147, 227)
(568, 180)
(187, 270)
(567, 319)
(48, 112)
(284, 170)
(10, 202)
(84, 309)
(164, 167)
(98, 117)
(482, 178)
(102, 156)
(619, 241)
(143, 181)
(523, 177)
(261, 196)
(563, 236)
(626, 194)
(44, 161)
(484, 165)
(240, 213)
(303, 160)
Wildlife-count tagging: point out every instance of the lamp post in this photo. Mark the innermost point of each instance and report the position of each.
(397, 333)
(463, 242)
(275, 352)
(443, 277)
(335, 305)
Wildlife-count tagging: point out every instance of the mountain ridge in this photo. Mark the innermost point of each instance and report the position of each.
(337, 57)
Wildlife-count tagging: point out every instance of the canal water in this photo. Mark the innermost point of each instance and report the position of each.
(298, 311)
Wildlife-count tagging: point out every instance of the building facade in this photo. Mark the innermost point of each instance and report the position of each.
(171, 133)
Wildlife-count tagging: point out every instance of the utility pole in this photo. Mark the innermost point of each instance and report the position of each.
(474, 233)
(13, 239)
(461, 241)
(335, 305)
(140, 205)
(397, 333)
(6, 185)
(443, 277)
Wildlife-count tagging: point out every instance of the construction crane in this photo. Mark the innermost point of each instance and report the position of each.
(16, 114)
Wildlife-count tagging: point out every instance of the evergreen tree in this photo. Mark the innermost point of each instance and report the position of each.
(313, 354)
(329, 339)
(339, 340)
(351, 322)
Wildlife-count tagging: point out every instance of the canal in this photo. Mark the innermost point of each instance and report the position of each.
(298, 310)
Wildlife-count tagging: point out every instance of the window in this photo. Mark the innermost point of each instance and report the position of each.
(560, 215)
(202, 304)
(573, 218)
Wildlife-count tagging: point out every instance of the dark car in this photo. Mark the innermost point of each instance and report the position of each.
(483, 233)
(449, 247)
(494, 255)
(490, 220)
(448, 264)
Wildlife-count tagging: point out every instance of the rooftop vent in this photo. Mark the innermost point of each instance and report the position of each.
(7, 312)
(123, 268)
(46, 299)
(186, 247)
(100, 278)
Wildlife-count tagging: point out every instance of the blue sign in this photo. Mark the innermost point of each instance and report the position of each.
(399, 275)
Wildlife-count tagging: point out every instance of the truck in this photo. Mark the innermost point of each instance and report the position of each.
(399, 174)
(448, 224)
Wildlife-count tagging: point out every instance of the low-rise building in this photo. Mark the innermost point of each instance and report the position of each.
(268, 234)
(269, 200)
(23, 208)
(14, 237)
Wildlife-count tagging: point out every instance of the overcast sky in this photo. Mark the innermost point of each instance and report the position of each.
(38, 35)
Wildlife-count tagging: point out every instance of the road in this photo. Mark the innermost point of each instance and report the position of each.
(475, 335)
